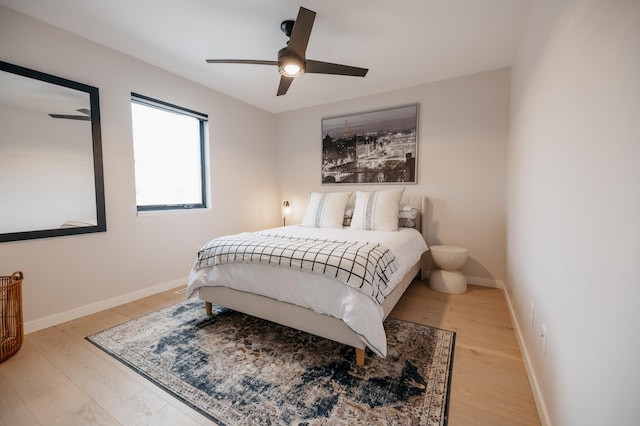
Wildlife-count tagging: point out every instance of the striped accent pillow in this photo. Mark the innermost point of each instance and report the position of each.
(326, 209)
(377, 210)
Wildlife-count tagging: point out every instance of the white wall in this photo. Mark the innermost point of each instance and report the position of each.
(462, 137)
(574, 207)
(69, 276)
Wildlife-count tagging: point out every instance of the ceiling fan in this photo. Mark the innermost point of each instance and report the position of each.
(292, 61)
(85, 117)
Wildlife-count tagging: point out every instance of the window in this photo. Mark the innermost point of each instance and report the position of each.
(169, 153)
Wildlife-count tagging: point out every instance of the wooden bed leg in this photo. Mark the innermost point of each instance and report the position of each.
(360, 357)
(207, 306)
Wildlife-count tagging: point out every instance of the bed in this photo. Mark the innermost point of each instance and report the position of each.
(315, 302)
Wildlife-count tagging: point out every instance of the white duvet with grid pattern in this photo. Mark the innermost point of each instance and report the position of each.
(363, 266)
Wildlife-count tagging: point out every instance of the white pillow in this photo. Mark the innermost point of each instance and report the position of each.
(326, 209)
(377, 210)
(408, 212)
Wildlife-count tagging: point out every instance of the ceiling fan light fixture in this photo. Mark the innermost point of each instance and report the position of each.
(289, 64)
(291, 70)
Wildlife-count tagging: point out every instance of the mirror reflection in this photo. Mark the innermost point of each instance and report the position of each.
(50, 156)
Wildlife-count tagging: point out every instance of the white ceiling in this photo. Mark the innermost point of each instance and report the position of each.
(403, 42)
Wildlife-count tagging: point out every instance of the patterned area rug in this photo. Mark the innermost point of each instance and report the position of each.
(240, 370)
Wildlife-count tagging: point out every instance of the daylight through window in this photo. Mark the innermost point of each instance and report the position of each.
(168, 143)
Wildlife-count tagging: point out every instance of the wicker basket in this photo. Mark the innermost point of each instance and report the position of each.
(12, 331)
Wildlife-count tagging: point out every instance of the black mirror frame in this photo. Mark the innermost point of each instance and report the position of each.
(94, 99)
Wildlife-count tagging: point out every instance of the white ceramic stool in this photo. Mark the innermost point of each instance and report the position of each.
(448, 279)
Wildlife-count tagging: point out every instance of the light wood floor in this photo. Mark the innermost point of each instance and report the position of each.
(58, 378)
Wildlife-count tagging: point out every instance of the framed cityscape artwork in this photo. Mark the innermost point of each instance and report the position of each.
(371, 147)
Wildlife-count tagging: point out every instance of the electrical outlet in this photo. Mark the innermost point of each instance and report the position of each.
(543, 337)
(531, 314)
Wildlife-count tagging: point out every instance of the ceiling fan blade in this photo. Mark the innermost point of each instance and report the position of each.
(71, 117)
(241, 61)
(319, 67)
(86, 111)
(301, 32)
(285, 82)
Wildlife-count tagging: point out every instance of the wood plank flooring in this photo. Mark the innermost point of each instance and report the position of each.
(58, 378)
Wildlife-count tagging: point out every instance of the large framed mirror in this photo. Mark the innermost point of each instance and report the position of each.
(51, 175)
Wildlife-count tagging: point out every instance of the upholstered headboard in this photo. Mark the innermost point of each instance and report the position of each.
(420, 203)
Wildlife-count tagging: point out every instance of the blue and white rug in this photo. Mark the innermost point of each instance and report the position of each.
(240, 370)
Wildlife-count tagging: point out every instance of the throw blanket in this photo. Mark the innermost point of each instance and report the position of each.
(363, 266)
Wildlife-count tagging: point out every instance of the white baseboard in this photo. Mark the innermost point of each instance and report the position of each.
(543, 413)
(50, 321)
(485, 282)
